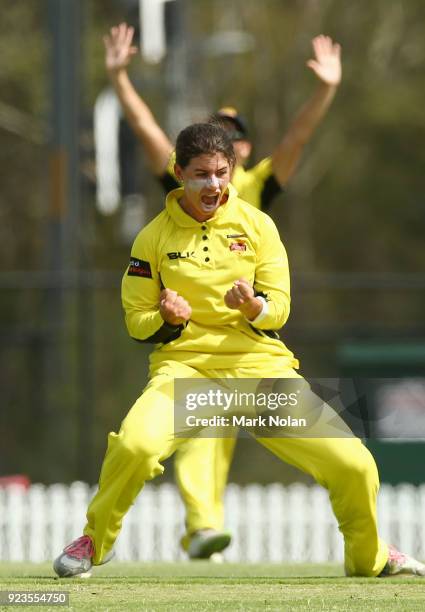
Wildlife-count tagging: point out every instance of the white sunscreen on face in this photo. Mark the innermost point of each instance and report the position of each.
(212, 182)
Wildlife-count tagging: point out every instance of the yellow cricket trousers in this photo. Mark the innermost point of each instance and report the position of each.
(146, 437)
(201, 468)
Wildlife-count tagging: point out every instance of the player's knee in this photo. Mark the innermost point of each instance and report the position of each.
(141, 452)
(135, 446)
(360, 468)
(142, 447)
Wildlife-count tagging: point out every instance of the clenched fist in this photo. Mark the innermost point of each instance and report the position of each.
(173, 308)
(242, 297)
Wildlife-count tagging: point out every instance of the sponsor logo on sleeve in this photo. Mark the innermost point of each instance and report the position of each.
(138, 267)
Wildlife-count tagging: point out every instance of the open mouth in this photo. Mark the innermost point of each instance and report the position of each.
(210, 201)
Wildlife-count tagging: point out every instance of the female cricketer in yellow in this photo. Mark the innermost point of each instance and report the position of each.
(202, 464)
(208, 282)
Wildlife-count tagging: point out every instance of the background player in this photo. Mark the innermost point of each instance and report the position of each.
(201, 466)
(260, 184)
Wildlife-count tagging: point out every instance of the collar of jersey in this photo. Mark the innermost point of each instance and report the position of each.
(182, 219)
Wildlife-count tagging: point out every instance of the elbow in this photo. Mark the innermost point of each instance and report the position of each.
(282, 313)
(282, 318)
(134, 329)
(131, 329)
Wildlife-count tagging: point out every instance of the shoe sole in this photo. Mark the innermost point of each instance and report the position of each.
(213, 545)
(69, 575)
(83, 575)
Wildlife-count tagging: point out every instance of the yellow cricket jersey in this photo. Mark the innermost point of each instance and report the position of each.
(257, 185)
(201, 261)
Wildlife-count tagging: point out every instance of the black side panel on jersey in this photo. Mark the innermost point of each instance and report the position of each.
(165, 334)
(271, 333)
(168, 182)
(271, 189)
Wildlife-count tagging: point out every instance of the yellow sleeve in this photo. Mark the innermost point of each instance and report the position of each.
(251, 183)
(140, 290)
(141, 286)
(170, 166)
(262, 170)
(272, 277)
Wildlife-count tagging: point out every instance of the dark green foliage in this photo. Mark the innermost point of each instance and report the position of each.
(356, 205)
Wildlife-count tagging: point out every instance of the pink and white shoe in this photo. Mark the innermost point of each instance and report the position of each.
(400, 563)
(76, 559)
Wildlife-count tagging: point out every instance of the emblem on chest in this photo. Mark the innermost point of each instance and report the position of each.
(238, 246)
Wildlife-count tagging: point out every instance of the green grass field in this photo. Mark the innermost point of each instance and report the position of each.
(206, 586)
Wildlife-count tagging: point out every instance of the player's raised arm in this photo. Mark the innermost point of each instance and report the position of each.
(119, 50)
(326, 65)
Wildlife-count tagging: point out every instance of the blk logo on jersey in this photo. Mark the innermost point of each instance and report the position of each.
(181, 254)
(238, 246)
(138, 267)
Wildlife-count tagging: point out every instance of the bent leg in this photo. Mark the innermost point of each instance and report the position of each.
(133, 456)
(346, 468)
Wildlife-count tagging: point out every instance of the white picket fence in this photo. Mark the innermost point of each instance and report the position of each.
(269, 523)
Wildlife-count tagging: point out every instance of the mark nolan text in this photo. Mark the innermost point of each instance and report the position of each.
(270, 420)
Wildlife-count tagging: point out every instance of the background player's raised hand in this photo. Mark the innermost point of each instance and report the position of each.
(326, 64)
(174, 309)
(118, 47)
(242, 297)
